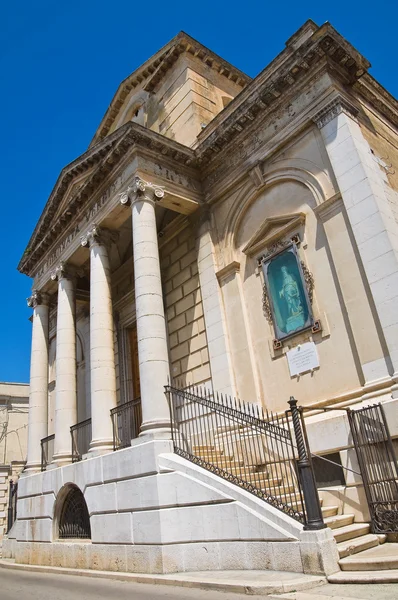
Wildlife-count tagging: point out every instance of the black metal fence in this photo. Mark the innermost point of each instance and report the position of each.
(12, 504)
(378, 465)
(47, 451)
(126, 422)
(246, 446)
(81, 438)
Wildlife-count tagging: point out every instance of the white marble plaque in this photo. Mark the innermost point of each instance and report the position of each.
(302, 358)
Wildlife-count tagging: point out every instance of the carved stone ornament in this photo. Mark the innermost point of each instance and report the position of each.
(99, 235)
(66, 271)
(309, 280)
(332, 110)
(142, 190)
(36, 299)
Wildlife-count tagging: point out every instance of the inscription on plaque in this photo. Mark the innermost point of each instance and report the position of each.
(303, 358)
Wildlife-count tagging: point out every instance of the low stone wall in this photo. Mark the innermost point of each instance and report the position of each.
(154, 512)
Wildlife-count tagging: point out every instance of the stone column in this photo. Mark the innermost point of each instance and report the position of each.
(38, 394)
(151, 328)
(102, 351)
(65, 391)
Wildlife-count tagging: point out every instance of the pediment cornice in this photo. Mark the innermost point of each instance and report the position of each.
(98, 162)
(325, 47)
(271, 230)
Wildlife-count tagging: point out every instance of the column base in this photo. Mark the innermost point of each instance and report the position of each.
(31, 468)
(158, 430)
(60, 460)
(394, 387)
(99, 447)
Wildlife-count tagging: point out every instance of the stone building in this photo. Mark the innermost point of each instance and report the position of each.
(14, 400)
(231, 233)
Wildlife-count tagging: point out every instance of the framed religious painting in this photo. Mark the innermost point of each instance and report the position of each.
(286, 292)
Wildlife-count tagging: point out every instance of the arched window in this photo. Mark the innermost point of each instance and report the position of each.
(75, 520)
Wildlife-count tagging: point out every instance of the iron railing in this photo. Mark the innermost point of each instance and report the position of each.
(248, 447)
(378, 464)
(12, 504)
(126, 423)
(81, 438)
(47, 451)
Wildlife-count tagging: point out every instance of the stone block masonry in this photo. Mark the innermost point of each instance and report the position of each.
(189, 354)
(153, 512)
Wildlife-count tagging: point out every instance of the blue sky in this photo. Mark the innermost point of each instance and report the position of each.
(61, 62)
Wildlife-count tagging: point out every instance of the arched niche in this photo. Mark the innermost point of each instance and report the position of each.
(71, 516)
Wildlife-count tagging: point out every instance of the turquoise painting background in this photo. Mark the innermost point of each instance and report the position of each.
(279, 303)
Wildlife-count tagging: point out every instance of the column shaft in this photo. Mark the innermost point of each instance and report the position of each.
(102, 351)
(65, 394)
(38, 395)
(151, 328)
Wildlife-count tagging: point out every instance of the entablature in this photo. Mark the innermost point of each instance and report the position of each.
(134, 151)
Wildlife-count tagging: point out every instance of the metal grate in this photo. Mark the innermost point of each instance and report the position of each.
(378, 465)
(126, 422)
(81, 439)
(12, 504)
(47, 451)
(75, 520)
(240, 443)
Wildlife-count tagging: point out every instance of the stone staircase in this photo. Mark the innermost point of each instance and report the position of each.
(363, 555)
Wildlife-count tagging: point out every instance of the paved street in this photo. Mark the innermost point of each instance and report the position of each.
(17, 585)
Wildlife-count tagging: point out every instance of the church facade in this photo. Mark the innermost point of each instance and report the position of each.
(222, 237)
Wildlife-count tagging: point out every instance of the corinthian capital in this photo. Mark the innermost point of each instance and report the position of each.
(97, 235)
(36, 299)
(142, 190)
(66, 271)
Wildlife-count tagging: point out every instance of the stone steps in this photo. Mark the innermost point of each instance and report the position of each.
(339, 521)
(356, 545)
(390, 576)
(349, 532)
(329, 511)
(380, 558)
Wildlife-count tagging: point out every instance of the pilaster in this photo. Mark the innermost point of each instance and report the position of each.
(375, 231)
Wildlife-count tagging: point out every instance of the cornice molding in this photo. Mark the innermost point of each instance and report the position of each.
(225, 272)
(106, 156)
(330, 207)
(325, 47)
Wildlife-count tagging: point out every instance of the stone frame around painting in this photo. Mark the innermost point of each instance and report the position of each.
(304, 286)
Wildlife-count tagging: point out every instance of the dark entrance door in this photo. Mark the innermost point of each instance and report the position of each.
(378, 465)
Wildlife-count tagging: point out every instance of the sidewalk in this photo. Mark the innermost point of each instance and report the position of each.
(261, 583)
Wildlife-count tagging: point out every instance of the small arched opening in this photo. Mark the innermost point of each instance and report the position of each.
(74, 519)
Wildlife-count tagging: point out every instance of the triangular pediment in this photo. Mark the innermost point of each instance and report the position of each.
(153, 72)
(271, 230)
(73, 188)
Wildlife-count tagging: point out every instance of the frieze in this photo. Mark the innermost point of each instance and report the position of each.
(166, 172)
